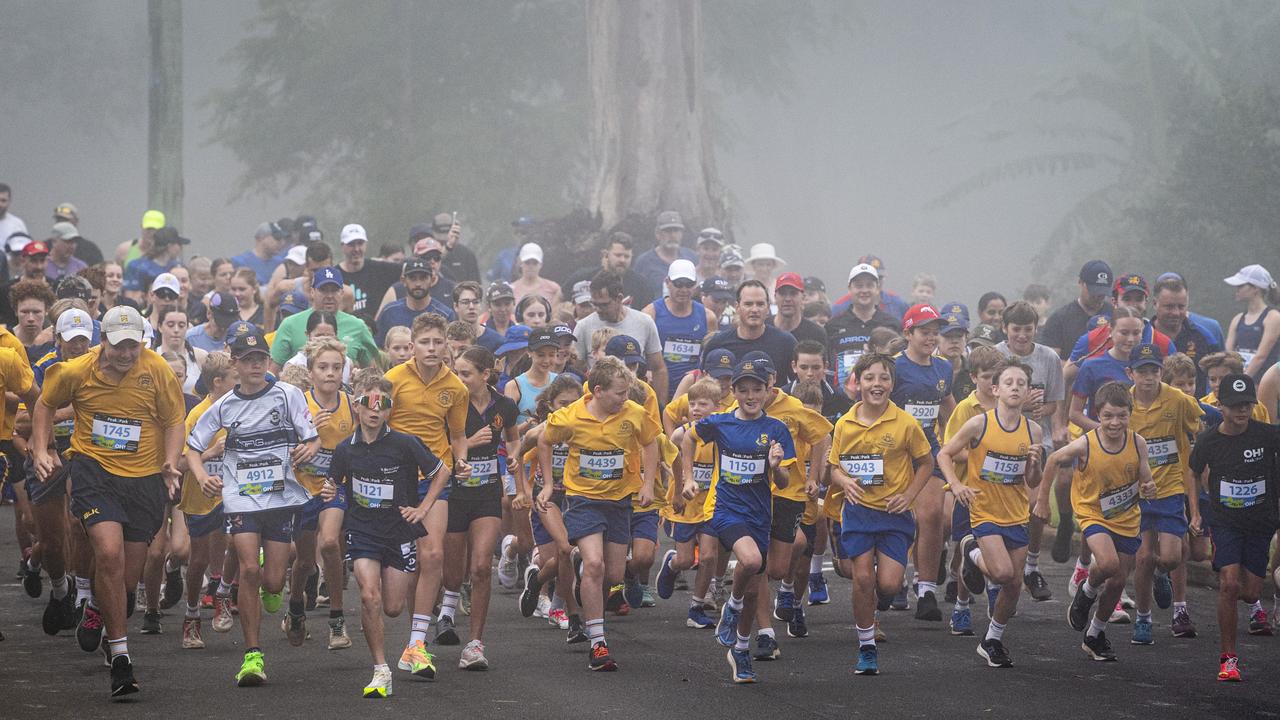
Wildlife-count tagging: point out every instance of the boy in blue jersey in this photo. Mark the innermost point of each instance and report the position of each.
(751, 450)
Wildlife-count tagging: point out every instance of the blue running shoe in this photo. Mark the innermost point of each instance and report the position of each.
(727, 628)
(667, 576)
(632, 593)
(868, 661)
(740, 662)
(767, 648)
(797, 628)
(699, 619)
(818, 589)
(1163, 590)
(900, 601)
(783, 604)
(1142, 633)
(962, 622)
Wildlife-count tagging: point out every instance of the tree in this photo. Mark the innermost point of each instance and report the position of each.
(164, 129)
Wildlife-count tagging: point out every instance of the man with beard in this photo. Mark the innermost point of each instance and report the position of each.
(417, 300)
(368, 279)
(615, 257)
(653, 265)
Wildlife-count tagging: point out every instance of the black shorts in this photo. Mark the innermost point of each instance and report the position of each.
(274, 525)
(52, 490)
(387, 552)
(786, 519)
(466, 505)
(138, 504)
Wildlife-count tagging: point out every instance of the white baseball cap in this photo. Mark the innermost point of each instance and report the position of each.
(682, 269)
(297, 255)
(168, 281)
(531, 251)
(123, 323)
(74, 323)
(582, 292)
(863, 269)
(351, 233)
(1252, 275)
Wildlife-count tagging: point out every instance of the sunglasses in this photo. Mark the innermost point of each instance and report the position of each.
(711, 236)
(683, 284)
(375, 401)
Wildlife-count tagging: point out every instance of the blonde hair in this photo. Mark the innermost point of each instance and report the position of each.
(601, 337)
(606, 370)
(216, 365)
(297, 376)
(322, 344)
(370, 379)
(64, 305)
(706, 388)
(1178, 365)
(1232, 361)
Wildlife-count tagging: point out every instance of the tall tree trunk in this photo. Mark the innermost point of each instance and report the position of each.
(650, 145)
(164, 131)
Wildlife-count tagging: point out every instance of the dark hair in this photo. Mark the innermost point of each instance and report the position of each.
(809, 347)
(528, 300)
(618, 238)
(750, 283)
(986, 299)
(31, 290)
(1011, 363)
(464, 286)
(607, 281)
(1113, 394)
(872, 358)
(322, 318)
(96, 275)
(482, 359)
(808, 392)
(814, 309)
(563, 383)
(4, 187)
(215, 264)
(1173, 283)
(1034, 292)
(1020, 313)
(318, 251)
(389, 248)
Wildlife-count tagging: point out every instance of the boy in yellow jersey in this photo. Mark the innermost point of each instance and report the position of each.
(1219, 365)
(718, 364)
(684, 518)
(1111, 472)
(613, 454)
(1166, 418)
(1002, 451)
(429, 402)
(319, 523)
(205, 520)
(124, 461)
(880, 459)
(811, 394)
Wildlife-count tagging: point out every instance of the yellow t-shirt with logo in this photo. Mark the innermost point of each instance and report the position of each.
(339, 427)
(879, 456)
(428, 410)
(704, 464)
(1168, 424)
(194, 501)
(16, 377)
(604, 455)
(807, 428)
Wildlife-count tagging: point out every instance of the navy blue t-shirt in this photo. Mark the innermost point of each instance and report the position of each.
(380, 478)
(742, 487)
(919, 390)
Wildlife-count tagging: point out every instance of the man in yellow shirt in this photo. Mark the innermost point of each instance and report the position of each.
(124, 461)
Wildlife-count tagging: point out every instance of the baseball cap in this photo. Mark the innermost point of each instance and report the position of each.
(123, 323)
(954, 308)
(327, 276)
(152, 220)
(1095, 322)
(1237, 389)
(669, 219)
(563, 332)
(245, 338)
(762, 359)
(64, 231)
(753, 369)
(874, 261)
(297, 255)
(168, 235)
(415, 265)
(543, 337)
(1096, 275)
(1251, 275)
(224, 305)
(731, 257)
(814, 284)
(1145, 354)
(953, 322)
(442, 222)
(719, 363)
(517, 338)
(17, 241)
(293, 302)
(717, 287)
(1128, 283)
(582, 292)
(682, 270)
(166, 281)
(353, 232)
(74, 323)
(499, 291)
(35, 247)
(531, 251)
(863, 269)
(711, 235)
(985, 335)
(74, 286)
(427, 245)
(625, 348)
(920, 314)
(789, 279)
(66, 211)
(419, 231)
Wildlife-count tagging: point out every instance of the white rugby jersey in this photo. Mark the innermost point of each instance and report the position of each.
(261, 430)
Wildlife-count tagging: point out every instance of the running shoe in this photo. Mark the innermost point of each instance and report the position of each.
(1258, 623)
(962, 622)
(380, 685)
(1162, 590)
(868, 661)
(646, 597)
(295, 628)
(1119, 616)
(1098, 648)
(1061, 550)
(464, 599)
(222, 620)
(601, 661)
(122, 682)
(698, 619)
(1078, 576)
(880, 636)
(818, 594)
(89, 631)
(191, 639)
(1182, 627)
(797, 627)
(617, 603)
(252, 672)
(543, 610)
(445, 632)
(271, 602)
(558, 618)
(719, 596)
(767, 648)
(950, 591)
(632, 592)
(508, 564)
(995, 654)
(727, 628)
(1037, 586)
(172, 592)
(1078, 611)
(59, 615)
(1127, 601)
(740, 665)
(1229, 669)
(1141, 633)
(338, 637)
(900, 601)
(473, 657)
(206, 601)
(577, 632)
(529, 596)
(927, 607)
(31, 581)
(783, 604)
(151, 623)
(415, 659)
(974, 580)
(666, 576)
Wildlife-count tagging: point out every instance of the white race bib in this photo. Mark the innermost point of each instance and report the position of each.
(1114, 502)
(845, 362)
(702, 473)
(63, 430)
(1003, 469)
(741, 470)
(925, 413)
(1242, 494)
(319, 465)
(1162, 451)
(116, 433)
(681, 350)
(259, 477)
(373, 492)
(866, 468)
(1247, 355)
(600, 464)
(484, 470)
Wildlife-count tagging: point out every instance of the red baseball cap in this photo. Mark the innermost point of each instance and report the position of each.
(921, 314)
(791, 280)
(35, 247)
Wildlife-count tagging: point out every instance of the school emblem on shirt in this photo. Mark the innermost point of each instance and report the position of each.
(1167, 415)
(1022, 448)
(275, 417)
(1130, 468)
(942, 385)
(887, 441)
(497, 423)
(144, 381)
(445, 398)
(626, 428)
(763, 440)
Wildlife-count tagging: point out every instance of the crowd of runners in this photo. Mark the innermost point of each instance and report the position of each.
(235, 440)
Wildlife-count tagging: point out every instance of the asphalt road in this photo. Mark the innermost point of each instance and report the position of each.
(665, 669)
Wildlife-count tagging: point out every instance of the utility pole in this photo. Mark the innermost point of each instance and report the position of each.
(164, 130)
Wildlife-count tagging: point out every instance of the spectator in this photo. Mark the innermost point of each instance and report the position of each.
(653, 265)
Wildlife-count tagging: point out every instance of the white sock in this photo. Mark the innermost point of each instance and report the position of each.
(1256, 606)
(995, 631)
(815, 564)
(735, 602)
(1096, 626)
(419, 627)
(766, 632)
(866, 636)
(1089, 590)
(975, 554)
(786, 586)
(450, 604)
(1033, 563)
(84, 590)
(224, 587)
(59, 587)
(193, 612)
(743, 642)
(927, 586)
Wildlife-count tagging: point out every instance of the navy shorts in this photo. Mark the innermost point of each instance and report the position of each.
(1166, 515)
(810, 533)
(683, 532)
(424, 485)
(837, 528)
(786, 519)
(52, 490)
(540, 534)
(1247, 548)
(308, 517)
(138, 504)
(585, 516)
(274, 525)
(644, 525)
(466, 505)
(959, 522)
(1124, 543)
(864, 529)
(729, 529)
(387, 552)
(1015, 536)
(200, 525)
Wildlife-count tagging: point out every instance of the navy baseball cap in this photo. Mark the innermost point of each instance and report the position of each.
(293, 302)
(625, 348)
(415, 265)
(224, 305)
(563, 332)
(719, 363)
(761, 358)
(245, 338)
(1097, 276)
(517, 338)
(327, 276)
(1145, 354)
(753, 369)
(955, 316)
(717, 287)
(543, 337)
